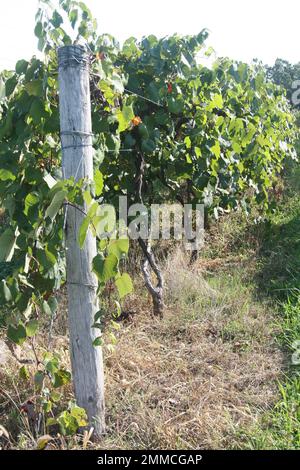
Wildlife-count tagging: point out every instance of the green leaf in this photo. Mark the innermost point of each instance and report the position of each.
(52, 366)
(98, 178)
(117, 83)
(98, 266)
(55, 396)
(216, 149)
(110, 267)
(23, 373)
(34, 88)
(39, 379)
(105, 268)
(10, 85)
(7, 127)
(46, 259)
(31, 200)
(38, 30)
(43, 441)
(124, 285)
(148, 146)
(216, 102)
(17, 335)
(14, 288)
(53, 304)
(219, 121)
(83, 230)
(41, 44)
(98, 341)
(47, 406)
(51, 422)
(51, 254)
(5, 291)
(143, 131)
(31, 328)
(98, 315)
(87, 198)
(93, 208)
(56, 204)
(7, 244)
(236, 147)
(56, 19)
(187, 142)
(124, 117)
(37, 111)
(175, 106)
(80, 415)
(46, 308)
(68, 424)
(62, 377)
(21, 66)
(6, 175)
(129, 141)
(73, 17)
(119, 247)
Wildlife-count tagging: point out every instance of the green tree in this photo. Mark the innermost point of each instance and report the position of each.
(284, 74)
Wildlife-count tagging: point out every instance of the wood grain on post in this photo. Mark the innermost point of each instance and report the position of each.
(76, 139)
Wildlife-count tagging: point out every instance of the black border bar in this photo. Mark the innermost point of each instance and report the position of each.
(137, 459)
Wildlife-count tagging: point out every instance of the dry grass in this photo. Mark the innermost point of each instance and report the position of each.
(192, 380)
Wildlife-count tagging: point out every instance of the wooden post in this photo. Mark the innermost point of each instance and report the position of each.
(76, 139)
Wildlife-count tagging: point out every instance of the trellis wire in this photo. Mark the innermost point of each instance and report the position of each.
(66, 60)
(134, 93)
(67, 57)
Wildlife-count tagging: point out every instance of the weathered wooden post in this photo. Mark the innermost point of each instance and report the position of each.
(76, 139)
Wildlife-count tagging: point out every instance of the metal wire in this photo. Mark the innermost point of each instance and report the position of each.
(75, 146)
(144, 98)
(73, 56)
(76, 133)
(135, 94)
(90, 286)
(80, 133)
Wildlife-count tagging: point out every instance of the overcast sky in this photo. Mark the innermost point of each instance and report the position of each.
(240, 29)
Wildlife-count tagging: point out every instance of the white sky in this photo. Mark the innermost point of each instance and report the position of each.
(264, 29)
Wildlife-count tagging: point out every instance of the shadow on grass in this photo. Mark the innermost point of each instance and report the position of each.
(278, 278)
(278, 274)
